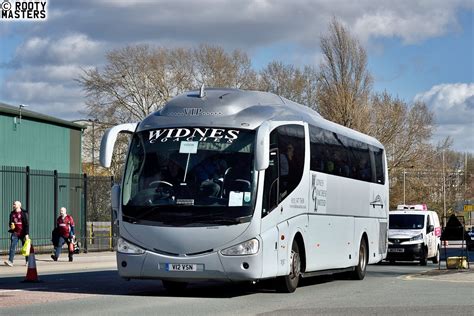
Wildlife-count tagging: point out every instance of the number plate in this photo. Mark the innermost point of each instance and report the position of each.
(180, 267)
(396, 250)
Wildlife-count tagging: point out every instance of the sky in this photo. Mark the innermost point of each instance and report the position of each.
(417, 50)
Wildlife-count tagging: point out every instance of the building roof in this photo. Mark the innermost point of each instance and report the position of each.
(15, 111)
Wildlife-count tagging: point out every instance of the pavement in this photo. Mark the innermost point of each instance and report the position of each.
(92, 261)
(99, 261)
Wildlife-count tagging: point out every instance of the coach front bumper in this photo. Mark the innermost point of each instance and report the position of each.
(151, 265)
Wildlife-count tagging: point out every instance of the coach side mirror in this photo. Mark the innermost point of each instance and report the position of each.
(108, 141)
(115, 197)
(262, 147)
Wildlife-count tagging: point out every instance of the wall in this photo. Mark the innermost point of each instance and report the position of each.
(39, 145)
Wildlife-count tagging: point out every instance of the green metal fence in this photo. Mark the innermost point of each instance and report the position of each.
(42, 193)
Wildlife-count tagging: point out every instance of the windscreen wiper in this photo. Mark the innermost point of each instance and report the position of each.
(224, 220)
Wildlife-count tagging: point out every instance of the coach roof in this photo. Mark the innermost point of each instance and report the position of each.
(237, 108)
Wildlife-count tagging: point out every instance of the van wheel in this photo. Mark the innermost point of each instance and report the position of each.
(289, 283)
(361, 267)
(174, 287)
(424, 259)
(436, 258)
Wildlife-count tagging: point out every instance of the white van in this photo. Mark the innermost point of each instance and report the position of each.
(413, 234)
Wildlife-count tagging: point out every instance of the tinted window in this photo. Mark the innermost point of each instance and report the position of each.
(290, 139)
(378, 159)
(189, 175)
(271, 186)
(286, 165)
(406, 221)
(339, 155)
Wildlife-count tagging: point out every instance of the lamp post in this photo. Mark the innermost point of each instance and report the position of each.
(404, 183)
(444, 190)
(404, 173)
(20, 107)
(93, 121)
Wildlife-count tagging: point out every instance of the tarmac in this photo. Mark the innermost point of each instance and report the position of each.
(99, 261)
(91, 261)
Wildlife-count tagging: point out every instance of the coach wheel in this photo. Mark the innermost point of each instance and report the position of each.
(289, 283)
(360, 269)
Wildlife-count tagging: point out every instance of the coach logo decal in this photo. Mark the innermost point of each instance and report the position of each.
(377, 202)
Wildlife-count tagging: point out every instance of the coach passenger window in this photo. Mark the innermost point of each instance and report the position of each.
(271, 186)
(291, 147)
(285, 170)
(378, 158)
(270, 192)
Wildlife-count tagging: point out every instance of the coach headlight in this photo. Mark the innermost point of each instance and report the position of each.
(249, 247)
(124, 246)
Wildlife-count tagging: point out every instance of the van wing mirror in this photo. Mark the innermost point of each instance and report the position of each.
(430, 228)
(109, 139)
(262, 147)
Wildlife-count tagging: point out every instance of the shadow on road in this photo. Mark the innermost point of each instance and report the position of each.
(109, 283)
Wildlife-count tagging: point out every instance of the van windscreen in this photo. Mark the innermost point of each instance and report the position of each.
(404, 221)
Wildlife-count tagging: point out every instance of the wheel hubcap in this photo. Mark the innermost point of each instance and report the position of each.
(295, 265)
(362, 258)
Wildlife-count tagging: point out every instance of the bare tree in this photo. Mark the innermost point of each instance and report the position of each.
(444, 178)
(290, 82)
(411, 144)
(135, 82)
(345, 82)
(214, 67)
(404, 130)
(139, 80)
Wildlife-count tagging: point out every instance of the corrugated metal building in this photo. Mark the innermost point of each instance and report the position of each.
(39, 141)
(40, 165)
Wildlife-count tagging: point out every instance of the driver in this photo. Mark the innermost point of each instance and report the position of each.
(174, 174)
(209, 173)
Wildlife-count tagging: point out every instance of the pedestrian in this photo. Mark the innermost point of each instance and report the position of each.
(19, 229)
(65, 226)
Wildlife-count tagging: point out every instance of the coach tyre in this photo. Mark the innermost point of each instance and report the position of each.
(360, 269)
(289, 283)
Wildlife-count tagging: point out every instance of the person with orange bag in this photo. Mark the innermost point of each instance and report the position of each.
(65, 227)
